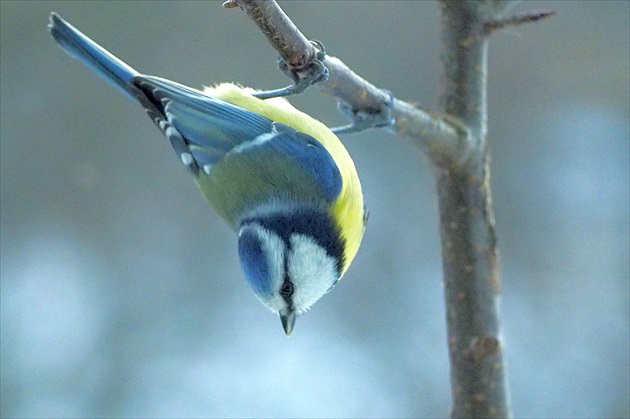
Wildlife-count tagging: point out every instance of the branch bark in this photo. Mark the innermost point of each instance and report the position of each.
(434, 134)
(456, 143)
(469, 248)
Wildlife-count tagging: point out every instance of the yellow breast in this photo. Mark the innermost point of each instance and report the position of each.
(347, 209)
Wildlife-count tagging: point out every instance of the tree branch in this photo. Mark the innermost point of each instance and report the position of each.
(469, 248)
(457, 146)
(294, 48)
(436, 135)
(529, 17)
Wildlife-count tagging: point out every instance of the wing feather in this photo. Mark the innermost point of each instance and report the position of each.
(208, 129)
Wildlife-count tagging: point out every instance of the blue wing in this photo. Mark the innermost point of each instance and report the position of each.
(198, 125)
(202, 129)
(207, 128)
(310, 155)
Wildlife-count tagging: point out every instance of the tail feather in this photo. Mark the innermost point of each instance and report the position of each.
(93, 55)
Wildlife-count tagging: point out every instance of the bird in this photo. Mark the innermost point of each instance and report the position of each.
(281, 179)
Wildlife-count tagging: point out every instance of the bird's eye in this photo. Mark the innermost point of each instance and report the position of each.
(287, 289)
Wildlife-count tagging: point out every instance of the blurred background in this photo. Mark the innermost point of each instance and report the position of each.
(122, 293)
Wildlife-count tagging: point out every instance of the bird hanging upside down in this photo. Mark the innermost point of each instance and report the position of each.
(280, 178)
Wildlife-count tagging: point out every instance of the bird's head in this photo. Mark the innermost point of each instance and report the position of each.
(291, 259)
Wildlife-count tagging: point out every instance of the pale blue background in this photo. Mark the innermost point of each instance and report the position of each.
(122, 293)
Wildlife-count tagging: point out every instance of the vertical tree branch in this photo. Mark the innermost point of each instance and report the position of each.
(469, 252)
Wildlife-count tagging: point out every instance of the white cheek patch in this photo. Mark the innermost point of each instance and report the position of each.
(311, 270)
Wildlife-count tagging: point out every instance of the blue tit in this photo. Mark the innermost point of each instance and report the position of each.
(281, 179)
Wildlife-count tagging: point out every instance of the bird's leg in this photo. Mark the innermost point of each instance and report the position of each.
(363, 119)
(314, 72)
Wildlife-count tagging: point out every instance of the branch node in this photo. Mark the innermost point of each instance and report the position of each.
(528, 17)
(482, 347)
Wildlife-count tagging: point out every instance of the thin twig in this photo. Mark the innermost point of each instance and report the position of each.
(529, 17)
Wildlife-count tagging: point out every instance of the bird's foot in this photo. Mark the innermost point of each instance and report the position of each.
(314, 72)
(363, 119)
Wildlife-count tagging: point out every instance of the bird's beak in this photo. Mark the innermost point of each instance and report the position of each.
(288, 320)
